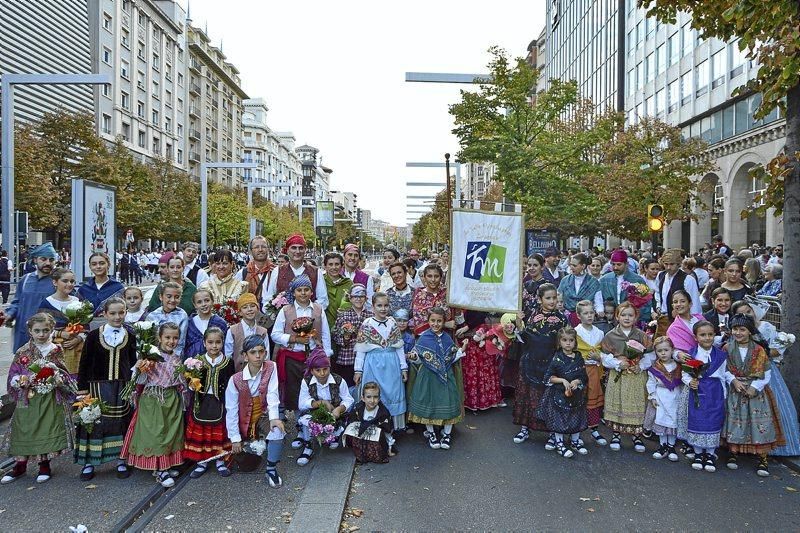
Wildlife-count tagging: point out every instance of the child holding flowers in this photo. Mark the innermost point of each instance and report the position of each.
(401, 319)
(206, 435)
(625, 401)
(321, 388)
(109, 354)
(69, 336)
(751, 422)
(590, 339)
(252, 406)
(43, 390)
(701, 411)
(200, 321)
(235, 336)
(345, 330)
(154, 440)
(664, 387)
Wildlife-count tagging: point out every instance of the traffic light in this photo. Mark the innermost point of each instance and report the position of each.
(655, 217)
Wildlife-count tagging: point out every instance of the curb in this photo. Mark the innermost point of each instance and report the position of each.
(792, 463)
(325, 496)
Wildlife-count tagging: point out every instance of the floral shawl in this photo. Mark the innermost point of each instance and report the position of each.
(28, 354)
(755, 364)
(436, 352)
(369, 338)
(614, 341)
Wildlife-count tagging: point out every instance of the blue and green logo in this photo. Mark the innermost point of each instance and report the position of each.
(484, 262)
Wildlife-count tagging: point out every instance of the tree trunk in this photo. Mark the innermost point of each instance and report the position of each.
(791, 243)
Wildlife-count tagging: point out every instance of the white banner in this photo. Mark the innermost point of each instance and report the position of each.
(486, 253)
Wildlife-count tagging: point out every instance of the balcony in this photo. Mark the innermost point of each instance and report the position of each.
(194, 134)
(194, 89)
(194, 156)
(214, 145)
(215, 102)
(195, 66)
(194, 111)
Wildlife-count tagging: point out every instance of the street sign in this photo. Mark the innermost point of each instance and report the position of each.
(22, 221)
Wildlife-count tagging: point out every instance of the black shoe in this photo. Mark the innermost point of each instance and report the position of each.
(433, 442)
(686, 450)
(444, 441)
(123, 472)
(661, 452)
(762, 469)
(710, 463)
(87, 474)
(393, 449)
(733, 462)
(697, 464)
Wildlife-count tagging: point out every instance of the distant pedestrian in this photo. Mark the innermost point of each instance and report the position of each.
(5, 275)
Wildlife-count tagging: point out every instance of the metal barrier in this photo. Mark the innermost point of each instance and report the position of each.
(775, 311)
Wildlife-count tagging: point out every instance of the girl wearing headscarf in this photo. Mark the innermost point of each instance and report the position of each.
(293, 348)
(320, 387)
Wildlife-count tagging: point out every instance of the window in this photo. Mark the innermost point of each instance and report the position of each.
(718, 68)
(156, 62)
(156, 145)
(156, 91)
(142, 18)
(650, 67)
(126, 6)
(140, 79)
(688, 39)
(106, 123)
(674, 45)
(702, 78)
(126, 39)
(142, 138)
(107, 56)
(168, 124)
(632, 41)
(674, 99)
(180, 156)
(168, 151)
(125, 100)
(180, 130)
(180, 105)
(727, 122)
(140, 109)
(738, 59)
(106, 90)
(168, 97)
(639, 33)
(660, 102)
(650, 24)
(124, 70)
(650, 106)
(661, 58)
(107, 20)
(742, 118)
(686, 88)
(180, 79)
(140, 53)
(126, 131)
(640, 75)
(155, 117)
(631, 80)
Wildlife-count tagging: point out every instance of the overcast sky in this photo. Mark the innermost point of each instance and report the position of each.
(333, 73)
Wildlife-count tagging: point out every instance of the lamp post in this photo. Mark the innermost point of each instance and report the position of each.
(204, 193)
(7, 140)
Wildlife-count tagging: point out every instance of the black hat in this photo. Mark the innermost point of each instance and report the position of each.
(744, 321)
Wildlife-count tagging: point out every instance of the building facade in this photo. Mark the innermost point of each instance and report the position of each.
(142, 46)
(476, 181)
(215, 109)
(46, 38)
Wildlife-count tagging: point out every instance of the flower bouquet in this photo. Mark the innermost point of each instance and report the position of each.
(695, 368)
(191, 369)
(45, 377)
(348, 330)
(78, 314)
(88, 411)
(322, 426)
(304, 327)
(229, 312)
(272, 308)
(633, 352)
(782, 341)
(638, 294)
(147, 352)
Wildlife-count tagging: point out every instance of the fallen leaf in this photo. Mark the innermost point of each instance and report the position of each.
(273, 529)
(596, 499)
(356, 512)
(426, 488)
(791, 489)
(189, 504)
(2, 511)
(353, 528)
(590, 510)
(471, 427)
(90, 487)
(416, 468)
(31, 488)
(286, 514)
(169, 517)
(584, 499)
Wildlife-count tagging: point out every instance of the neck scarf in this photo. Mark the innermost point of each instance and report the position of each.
(437, 353)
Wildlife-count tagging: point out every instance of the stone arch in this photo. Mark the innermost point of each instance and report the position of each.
(739, 232)
(710, 213)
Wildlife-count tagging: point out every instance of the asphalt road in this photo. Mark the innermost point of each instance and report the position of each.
(486, 482)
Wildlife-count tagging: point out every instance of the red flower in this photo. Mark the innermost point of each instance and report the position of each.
(45, 373)
(217, 306)
(693, 364)
(24, 360)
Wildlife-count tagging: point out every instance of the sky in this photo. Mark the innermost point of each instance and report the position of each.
(333, 73)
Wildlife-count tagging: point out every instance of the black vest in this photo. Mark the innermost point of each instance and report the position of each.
(336, 398)
(5, 273)
(192, 275)
(678, 282)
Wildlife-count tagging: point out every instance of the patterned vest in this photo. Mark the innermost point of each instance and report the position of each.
(246, 400)
(237, 330)
(290, 313)
(336, 398)
(286, 275)
(677, 283)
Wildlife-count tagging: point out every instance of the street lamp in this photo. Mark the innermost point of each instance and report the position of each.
(204, 193)
(7, 139)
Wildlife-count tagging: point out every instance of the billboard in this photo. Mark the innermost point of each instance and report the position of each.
(324, 214)
(537, 241)
(93, 224)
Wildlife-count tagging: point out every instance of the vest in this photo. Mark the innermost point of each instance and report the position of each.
(286, 275)
(246, 400)
(237, 331)
(192, 275)
(290, 314)
(5, 273)
(336, 398)
(677, 283)
(359, 276)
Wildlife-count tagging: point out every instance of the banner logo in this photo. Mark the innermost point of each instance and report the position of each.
(484, 262)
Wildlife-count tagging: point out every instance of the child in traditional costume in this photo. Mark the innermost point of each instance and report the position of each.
(380, 357)
(751, 422)
(320, 387)
(680, 330)
(626, 397)
(590, 339)
(499, 339)
(70, 339)
(563, 406)
(137, 311)
(206, 435)
(435, 386)
(235, 336)
(401, 317)
(41, 426)
(345, 331)
(154, 440)
(169, 312)
(109, 354)
(701, 405)
(538, 348)
(479, 365)
(664, 387)
(252, 406)
(369, 429)
(200, 321)
(719, 314)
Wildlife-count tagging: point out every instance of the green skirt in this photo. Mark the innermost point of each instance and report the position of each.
(39, 429)
(155, 438)
(432, 402)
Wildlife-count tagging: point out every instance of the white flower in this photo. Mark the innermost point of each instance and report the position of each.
(74, 306)
(257, 447)
(154, 350)
(143, 326)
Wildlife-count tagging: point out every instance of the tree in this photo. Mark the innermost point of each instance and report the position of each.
(770, 31)
(173, 212)
(433, 228)
(33, 193)
(648, 163)
(227, 215)
(541, 151)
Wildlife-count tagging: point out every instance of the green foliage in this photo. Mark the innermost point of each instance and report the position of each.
(433, 228)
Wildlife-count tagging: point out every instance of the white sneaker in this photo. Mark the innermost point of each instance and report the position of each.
(7, 479)
(42, 478)
(298, 443)
(274, 479)
(550, 445)
(333, 445)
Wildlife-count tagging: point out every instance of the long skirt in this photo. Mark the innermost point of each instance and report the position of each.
(104, 443)
(383, 367)
(558, 417)
(752, 424)
(432, 402)
(371, 448)
(708, 441)
(625, 402)
(155, 438)
(788, 414)
(205, 440)
(481, 378)
(595, 398)
(527, 397)
(40, 429)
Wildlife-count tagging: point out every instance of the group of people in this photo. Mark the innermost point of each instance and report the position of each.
(361, 359)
